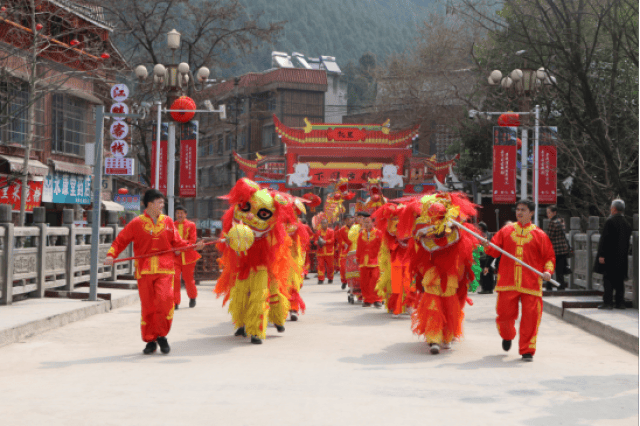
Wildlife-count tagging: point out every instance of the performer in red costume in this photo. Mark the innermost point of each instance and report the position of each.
(151, 232)
(369, 242)
(325, 240)
(530, 244)
(344, 245)
(185, 262)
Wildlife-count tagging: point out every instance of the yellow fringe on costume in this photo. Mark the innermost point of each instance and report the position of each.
(249, 305)
(383, 285)
(279, 283)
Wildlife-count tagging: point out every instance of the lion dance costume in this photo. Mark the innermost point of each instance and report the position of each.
(394, 284)
(299, 235)
(256, 259)
(442, 258)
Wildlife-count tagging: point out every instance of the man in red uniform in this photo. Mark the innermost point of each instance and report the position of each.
(344, 245)
(185, 261)
(325, 240)
(152, 232)
(530, 244)
(369, 241)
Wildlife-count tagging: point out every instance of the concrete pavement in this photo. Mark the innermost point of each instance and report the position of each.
(339, 365)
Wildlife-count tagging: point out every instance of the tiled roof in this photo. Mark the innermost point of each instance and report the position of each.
(87, 11)
(280, 75)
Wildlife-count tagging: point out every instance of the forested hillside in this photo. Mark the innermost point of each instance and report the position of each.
(342, 28)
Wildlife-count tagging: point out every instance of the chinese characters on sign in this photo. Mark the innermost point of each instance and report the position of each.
(188, 158)
(119, 92)
(129, 202)
(119, 108)
(504, 164)
(67, 188)
(118, 166)
(119, 148)
(11, 194)
(547, 165)
(119, 130)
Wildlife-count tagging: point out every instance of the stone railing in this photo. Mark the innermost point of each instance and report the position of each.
(37, 258)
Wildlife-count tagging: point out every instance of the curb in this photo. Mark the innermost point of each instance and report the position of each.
(619, 338)
(29, 329)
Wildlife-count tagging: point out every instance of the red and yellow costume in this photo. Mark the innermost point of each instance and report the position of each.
(343, 247)
(256, 258)
(324, 254)
(300, 241)
(394, 283)
(155, 274)
(185, 262)
(442, 256)
(517, 283)
(367, 254)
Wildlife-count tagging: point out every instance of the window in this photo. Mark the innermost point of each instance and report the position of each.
(268, 136)
(18, 113)
(69, 133)
(229, 139)
(203, 206)
(242, 143)
(211, 176)
(220, 145)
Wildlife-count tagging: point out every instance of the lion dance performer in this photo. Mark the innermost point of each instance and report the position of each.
(394, 284)
(443, 256)
(300, 241)
(256, 259)
(325, 240)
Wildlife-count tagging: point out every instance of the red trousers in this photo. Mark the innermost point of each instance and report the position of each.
(156, 298)
(368, 278)
(325, 263)
(189, 282)
(343, 268)
(507, 310)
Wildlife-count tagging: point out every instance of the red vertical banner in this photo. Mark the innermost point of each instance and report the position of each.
(188, 159)
(547, 166)
(504, 164)
(12, 194)
(163, 166)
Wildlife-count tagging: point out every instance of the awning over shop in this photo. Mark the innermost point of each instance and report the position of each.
(112, 206)
(64, 167)
(34, 167)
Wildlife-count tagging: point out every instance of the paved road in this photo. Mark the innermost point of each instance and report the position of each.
(339, 365)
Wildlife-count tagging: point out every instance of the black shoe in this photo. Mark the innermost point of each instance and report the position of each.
(344, 285)
(176, 307)
(434, 348)
(256, 340)
(320, 282)
(241, 332)
(366, 305)
(605, 306)
(150, 348)
(485, 292)
(280, 328)
(527, 357)
(506, 345)
(330, 281)
(377, 304)
(164, 345)
(621, 306)
(192, 303)
(294, 315)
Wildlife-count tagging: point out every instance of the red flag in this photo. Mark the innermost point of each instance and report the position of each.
(163, 166)
(188, 167)
(504, 165)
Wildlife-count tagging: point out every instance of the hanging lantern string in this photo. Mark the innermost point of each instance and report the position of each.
(158, 253)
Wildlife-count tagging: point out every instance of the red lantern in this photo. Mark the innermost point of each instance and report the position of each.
(74, 42)
(105, 56)
(183, 103)
(38, 27)
(509, 120)
(518, 143)
(123, 191)
(3, 9)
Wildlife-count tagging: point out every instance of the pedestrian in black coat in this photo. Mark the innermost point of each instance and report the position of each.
(612, 259)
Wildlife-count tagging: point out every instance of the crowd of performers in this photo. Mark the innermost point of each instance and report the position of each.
(413, 256)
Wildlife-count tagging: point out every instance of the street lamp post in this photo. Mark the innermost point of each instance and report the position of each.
(524, 83)
(173, 80)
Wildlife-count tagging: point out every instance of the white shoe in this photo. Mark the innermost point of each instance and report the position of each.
(446, 345)
(434, 348)
(395, 316)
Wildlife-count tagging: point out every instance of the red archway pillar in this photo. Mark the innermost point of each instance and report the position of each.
(292, 159)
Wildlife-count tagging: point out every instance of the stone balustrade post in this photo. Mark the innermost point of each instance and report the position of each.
(7, 261)
(112, 222)
(593, 228)
(67, 222)
(574, 228)
(635, 254)
(39, 214)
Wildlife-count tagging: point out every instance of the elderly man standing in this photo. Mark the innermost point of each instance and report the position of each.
(613, 256)
(556, 233)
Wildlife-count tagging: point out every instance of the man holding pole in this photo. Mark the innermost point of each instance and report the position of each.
(516, 283)
(185, 261)
(152, 232)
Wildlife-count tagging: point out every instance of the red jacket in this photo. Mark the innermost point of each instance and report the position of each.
(345, 242)
(368, 247)
(147, 238)
(329, 238)
(187, 231)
